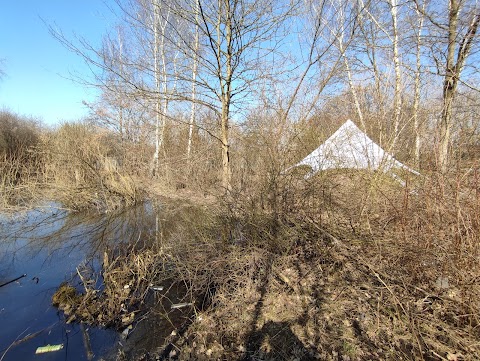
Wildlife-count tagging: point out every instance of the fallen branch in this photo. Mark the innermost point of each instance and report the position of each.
(86, 342)
(16, 279)
(26, 338)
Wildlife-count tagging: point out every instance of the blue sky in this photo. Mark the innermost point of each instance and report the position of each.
(37, 66)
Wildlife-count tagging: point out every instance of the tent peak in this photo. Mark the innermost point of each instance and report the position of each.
(350, 147)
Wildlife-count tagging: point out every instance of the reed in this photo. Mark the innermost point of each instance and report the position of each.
(85, 169)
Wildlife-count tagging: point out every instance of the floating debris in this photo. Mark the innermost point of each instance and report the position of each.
(181, 305)
(156, 288)
(126, 332)
(15, 279)
(49, 348)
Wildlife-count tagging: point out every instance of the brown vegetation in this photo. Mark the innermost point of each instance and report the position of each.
(77, 165)
(346, 264)
(85, 168)
(342, 266)
(125, 278)
(20, 164)
(348, 267)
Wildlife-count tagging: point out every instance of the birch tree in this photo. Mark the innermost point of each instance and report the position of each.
(235, 35)
(114, 108)
(194, 79)
(343, 51)
(378, 48)
(457, 52)
(370, 39)
(417, 80)
(159, 22)
(397, 105)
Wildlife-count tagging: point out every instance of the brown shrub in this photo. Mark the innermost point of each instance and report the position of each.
(20, 162)
(85, 168)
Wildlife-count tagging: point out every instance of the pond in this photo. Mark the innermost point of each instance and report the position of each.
(43, 248)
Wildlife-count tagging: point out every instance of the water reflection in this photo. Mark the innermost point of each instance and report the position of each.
(48, 244)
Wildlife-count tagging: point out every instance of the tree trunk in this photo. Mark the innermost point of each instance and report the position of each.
(226, 100)
(121, 126)
(453, 71)
(194, 79)
(416, 95)
(161, 103)
(156, 42)
(226, 167)
(342, 49)
(396, 61)
(449, 87)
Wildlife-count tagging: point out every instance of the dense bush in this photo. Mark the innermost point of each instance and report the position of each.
(85, 166)
(20, 162)
(18, 135)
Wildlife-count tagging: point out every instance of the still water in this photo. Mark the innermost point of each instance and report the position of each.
(47, 245)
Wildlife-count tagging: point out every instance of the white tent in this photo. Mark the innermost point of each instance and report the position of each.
(349, 147)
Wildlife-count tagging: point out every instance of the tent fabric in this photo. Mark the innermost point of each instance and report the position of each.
(349, 147)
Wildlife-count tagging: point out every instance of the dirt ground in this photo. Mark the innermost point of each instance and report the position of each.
(325, 300)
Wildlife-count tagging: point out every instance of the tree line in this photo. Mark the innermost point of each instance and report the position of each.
(406, 72)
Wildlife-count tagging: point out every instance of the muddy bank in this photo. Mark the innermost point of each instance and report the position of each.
(45, 245)
(322, 300)
(51, 247)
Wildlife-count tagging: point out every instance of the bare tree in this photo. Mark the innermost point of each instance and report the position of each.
(159, 22)
(369, 40)
(195, 50)
(114, 94)
(234, 36)
(2, 71)
(343, 52)
(454, 64)
(378, 48)
(397, 105)
(417, 80)
(153, 60)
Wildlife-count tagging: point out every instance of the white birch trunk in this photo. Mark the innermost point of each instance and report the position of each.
(347, 69)
(416, 95)
(194, 79)
(156, 41)
(161, 84)
(396, 61)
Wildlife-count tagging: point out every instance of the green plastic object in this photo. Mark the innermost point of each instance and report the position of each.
(49, 348)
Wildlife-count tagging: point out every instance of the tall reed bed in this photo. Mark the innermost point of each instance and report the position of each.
(86, 168)
(20, 163)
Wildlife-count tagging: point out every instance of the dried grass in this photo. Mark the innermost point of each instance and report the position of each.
(347, 265)
(85, 169)
(20, 165)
